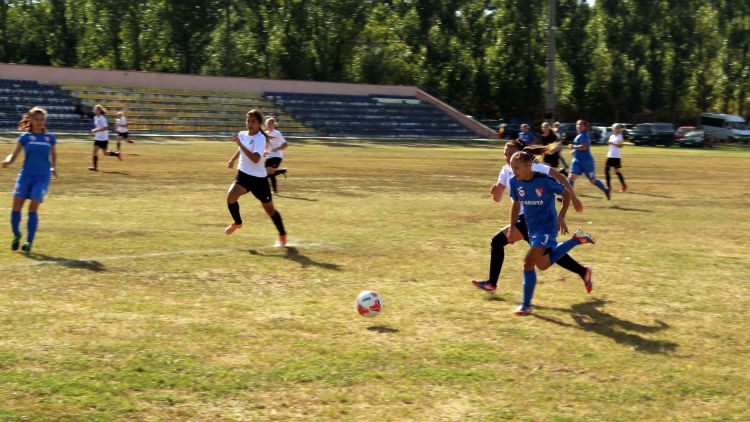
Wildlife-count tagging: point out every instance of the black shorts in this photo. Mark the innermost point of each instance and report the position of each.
(123, 134)
(521, 226)
(101, 144)
(257, 185)
(613, 162)
(274, 162)
(552, 160)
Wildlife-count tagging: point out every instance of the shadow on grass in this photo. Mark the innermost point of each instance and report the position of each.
(95, 266)
(293, 254)
(617, 207)
(121, 173)
(383, 329)
(299, 198)
(589, 317)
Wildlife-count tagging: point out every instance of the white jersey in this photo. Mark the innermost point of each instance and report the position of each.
(506, 173)
(122, 125)
(257, 144)
(101, 122)
(615, 152)
(276, 140)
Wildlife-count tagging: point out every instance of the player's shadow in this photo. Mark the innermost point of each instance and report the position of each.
(617, 207)
(95, 266)
(120, 173)
(383, 329)
(299, 198)
(293, 254)
(589, 317)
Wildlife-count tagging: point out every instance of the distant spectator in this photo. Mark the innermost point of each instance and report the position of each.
(501, 131)
(526, 136)
(80, 110)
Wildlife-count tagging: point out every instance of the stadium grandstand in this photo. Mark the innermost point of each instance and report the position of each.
(158, 103)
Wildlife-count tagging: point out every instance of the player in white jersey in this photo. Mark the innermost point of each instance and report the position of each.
(505, 236)
(276, 144)
(122, 129)
(614, 156)
(252, 175)
(101, 137)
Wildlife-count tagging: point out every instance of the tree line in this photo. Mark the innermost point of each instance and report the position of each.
(618, 60)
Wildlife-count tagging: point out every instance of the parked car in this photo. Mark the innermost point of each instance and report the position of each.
(568, 132)
(696, 138)
(682, 130)
(653, 134)
(725, 127)
(600, 134)
(626, 129)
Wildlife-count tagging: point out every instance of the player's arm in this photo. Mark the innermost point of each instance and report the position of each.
(53, 160)
(497, 191)
(234, 158)
(577, 204)
(12, 156)
(254, 156)
(561, 225)
(581, 147)
(282, 146)
(514, 233)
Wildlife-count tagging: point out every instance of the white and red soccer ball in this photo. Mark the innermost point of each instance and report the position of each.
(369, 304)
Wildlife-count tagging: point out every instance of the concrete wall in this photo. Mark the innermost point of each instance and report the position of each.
(63, 75)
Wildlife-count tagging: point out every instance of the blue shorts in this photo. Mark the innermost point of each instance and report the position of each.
(544, 239)
(31, 187)
(583, 167)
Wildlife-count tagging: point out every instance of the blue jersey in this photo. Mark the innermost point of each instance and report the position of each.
(527, 137)
(538, 199)
(36, 148)
(583, 139)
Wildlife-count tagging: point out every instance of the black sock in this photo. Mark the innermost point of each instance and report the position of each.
(606, 173)
(280, 171)
(113, 153)
(572, 265)
(622, 179)
(497, 257)
(118, 145)
(234, 209)
(272, 178)
(278, 223)
(96, 159)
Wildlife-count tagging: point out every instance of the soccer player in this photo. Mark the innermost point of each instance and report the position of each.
(583, 162)
(549, 137)
(501, 238)
(101, 137)
(122, 129)
(536, 192)
(614, 156)
(276, 143)
(40, 157)
(526, 136)
(251, 175)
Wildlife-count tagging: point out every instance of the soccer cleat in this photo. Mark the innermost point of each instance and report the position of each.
(521, 310)
(282, 240)
(587, 280)
(484, 285)
(231, 228)
(93, 169)
(26, 247)
(16, 242)
(130, 142)
(583, 238)
(119, 155)
(284, 174)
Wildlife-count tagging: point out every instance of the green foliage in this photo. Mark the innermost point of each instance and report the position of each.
(624, 60)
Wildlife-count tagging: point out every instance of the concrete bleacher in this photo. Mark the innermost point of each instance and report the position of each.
(369, 115)
(18, 96)
(172, 110)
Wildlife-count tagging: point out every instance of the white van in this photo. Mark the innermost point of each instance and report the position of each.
(725, 127)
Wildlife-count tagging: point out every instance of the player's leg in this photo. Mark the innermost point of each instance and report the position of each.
(236, 190)
(529, 279)
(15, 220)
(32, 224)
(95, 158)
(607, 166)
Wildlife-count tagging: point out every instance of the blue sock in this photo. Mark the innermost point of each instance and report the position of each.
(15, 222)
(562, 249)
(600, 185)
(529, 283)
(572, 183)
(31, 226)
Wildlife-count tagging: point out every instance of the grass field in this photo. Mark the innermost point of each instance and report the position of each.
(135, 305)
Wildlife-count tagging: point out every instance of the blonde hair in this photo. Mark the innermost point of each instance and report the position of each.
(120, 113)
(100, 107)
(24, 125)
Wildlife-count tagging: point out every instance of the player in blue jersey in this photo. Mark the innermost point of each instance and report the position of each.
(528, 137)
(33, 180)
(583, 162)
(536, 192)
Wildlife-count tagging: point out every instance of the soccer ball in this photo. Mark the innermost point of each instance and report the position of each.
(369, 304)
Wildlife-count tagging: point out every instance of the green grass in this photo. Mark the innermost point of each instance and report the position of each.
(135, 305)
